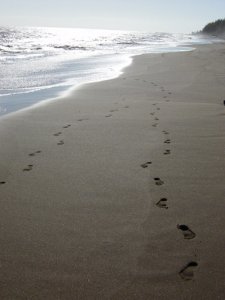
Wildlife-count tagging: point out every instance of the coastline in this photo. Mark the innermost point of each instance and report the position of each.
(113, 65)
(79, 189)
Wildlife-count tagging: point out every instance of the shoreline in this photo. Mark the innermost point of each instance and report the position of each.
(67, 88)
(116, 191)
(71, 88)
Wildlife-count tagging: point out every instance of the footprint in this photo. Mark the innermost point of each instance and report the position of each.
(127, 106)
(113, 110)
(36, 152)
(187, 232)
(158, 108)
(60, 142)
(169, 93)
(162, 203)
(107, 116)
(164, 97)
(145, 165)
(57, 134)
(67, 126)
(80, 120)
(167, 141)
(28, 168)
(158, 181)
(154, 125)
(167, 151)
(165, 132)
(2, 182)
(152, 113)
(187, 273)
(156, 119)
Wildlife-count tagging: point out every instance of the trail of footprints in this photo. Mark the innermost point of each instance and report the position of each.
(187, 271)
(61, 142)
(29, 167)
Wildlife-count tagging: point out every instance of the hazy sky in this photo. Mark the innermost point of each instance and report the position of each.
(147, 15)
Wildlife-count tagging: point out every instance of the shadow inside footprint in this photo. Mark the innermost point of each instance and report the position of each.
(162, 203)
(60, 143)
(187, 232)
(2, 182)
(107, 116)
(167, 141)
(57, 134)
(145, 165)
(84, 119)
(187, 273)
(165, 132)
(158, 181)
(36, 152)
(167, 151)
(67, 126)
(28, 168)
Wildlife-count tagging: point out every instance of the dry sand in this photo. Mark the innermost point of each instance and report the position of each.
(81, 180)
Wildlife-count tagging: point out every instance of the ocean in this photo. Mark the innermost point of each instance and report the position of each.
(37, 64)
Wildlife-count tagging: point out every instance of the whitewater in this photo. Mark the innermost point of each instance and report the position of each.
(37, 64)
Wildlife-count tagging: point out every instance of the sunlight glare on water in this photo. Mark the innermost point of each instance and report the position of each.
(40, 63)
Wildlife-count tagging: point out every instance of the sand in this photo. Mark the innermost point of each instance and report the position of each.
(117, 191)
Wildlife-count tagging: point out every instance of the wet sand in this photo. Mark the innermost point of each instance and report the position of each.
(117, 191)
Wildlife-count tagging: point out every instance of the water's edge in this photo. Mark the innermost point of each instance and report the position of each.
(72, 89)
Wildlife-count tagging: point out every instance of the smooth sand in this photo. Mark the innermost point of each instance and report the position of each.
(82, 219)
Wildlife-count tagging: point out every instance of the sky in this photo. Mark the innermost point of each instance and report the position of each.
(146, 15)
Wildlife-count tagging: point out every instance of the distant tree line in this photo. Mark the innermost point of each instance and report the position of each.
(217, 27)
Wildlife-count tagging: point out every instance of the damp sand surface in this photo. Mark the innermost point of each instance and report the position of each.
(117, 191)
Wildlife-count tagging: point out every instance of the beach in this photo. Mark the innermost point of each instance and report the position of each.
(116, 191)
